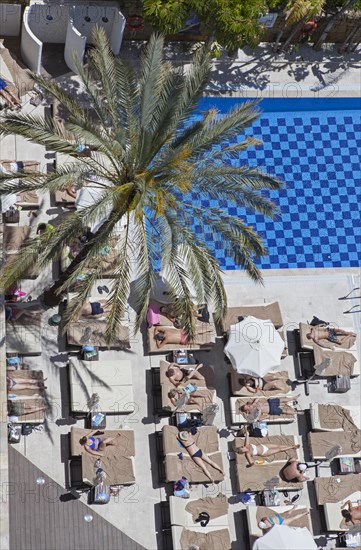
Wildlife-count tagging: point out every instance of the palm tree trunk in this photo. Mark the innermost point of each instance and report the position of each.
(296, 29)
(346, 45)
(331, 24)
(278, 39)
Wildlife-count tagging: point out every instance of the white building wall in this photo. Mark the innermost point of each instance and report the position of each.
(49, 22)
(10, 19)
(116, 36)
(74, 45)
(31, 46)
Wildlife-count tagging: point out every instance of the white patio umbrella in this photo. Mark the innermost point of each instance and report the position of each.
(254, 346)
(282, 537)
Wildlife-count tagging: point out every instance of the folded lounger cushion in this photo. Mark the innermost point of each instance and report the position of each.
(63, 198)
(110, 380)
(183, 512)
(240, 390)
(206, 538)
(256, 513)
(321, 442)
(206, 439)
(270, 311)
(117, 460)
(342, 363)
(333, 418)
(240, 418)
(347, 342)
(23, 335)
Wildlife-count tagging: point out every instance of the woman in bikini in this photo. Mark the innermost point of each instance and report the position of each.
(196, 454)
(250, 450)
(286, 518)
(96, 445)
(181, 375)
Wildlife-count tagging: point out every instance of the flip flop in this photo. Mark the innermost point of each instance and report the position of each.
(100, 289)
(106, 289)
(348, 297)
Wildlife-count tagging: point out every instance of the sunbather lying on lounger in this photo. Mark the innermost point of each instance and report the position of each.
(179, 375)
(16, 384)
(269, 382)
(96, 445)
(195, 398)
(270, 407)
(327, 333)
(94, 309)
(250, 450)
(352, 515)
(164, 336)
(9, 97)
(199, 457)
(285, 518)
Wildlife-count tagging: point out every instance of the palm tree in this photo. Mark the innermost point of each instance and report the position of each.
(298, 12)
(150, 156)
(331, 23)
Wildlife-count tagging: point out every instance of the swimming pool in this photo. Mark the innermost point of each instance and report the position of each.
(313, 145)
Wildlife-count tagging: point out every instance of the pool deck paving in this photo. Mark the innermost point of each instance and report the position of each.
(301, 293)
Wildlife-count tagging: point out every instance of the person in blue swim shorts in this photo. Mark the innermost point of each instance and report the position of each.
(276, 406)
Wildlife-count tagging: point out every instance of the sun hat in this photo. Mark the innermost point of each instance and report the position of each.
(184, 435)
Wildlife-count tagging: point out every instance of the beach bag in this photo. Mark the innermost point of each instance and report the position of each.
(259, 429)
(203, 519)
(316, 321)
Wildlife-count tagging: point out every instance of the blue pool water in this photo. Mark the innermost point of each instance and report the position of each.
(314, 146)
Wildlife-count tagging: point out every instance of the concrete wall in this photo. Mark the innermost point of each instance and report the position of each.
(10, 19)
(116, 36)
(49, 22)
(31, 46)
(74, 45)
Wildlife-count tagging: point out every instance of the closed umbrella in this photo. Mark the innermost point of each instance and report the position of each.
(254, 346)
(282, 537)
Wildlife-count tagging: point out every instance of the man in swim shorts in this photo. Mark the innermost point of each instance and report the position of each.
(327, 333)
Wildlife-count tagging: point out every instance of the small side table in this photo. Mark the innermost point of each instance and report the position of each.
(346, 465)
(85, 356)
(11, 216)
(97, 420)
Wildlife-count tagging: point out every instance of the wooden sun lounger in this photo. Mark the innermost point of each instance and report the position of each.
(265, 311)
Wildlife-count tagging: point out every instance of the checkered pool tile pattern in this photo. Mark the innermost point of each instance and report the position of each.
(317, 155)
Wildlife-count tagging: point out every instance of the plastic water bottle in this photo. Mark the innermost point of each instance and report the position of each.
(98, 463)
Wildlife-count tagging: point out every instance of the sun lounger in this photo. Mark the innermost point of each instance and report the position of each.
(62, 198)
(18, 410)
(203, 340)
(262, 476)
(336, 488)
(333, 418)
(25, 199)
(206, 439)
(117, 460)
(270, 311)
(110, 380)
(347, 342)
(332, 511)
(108, 260)
(24, 376)
(205, 396)
(23, 335)
(206, 538)
(183, 512)
(241, 391)
(256, 513)
(342, 363)
(240, 418)
(91, 331)
(321, 442)
(14, 238)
